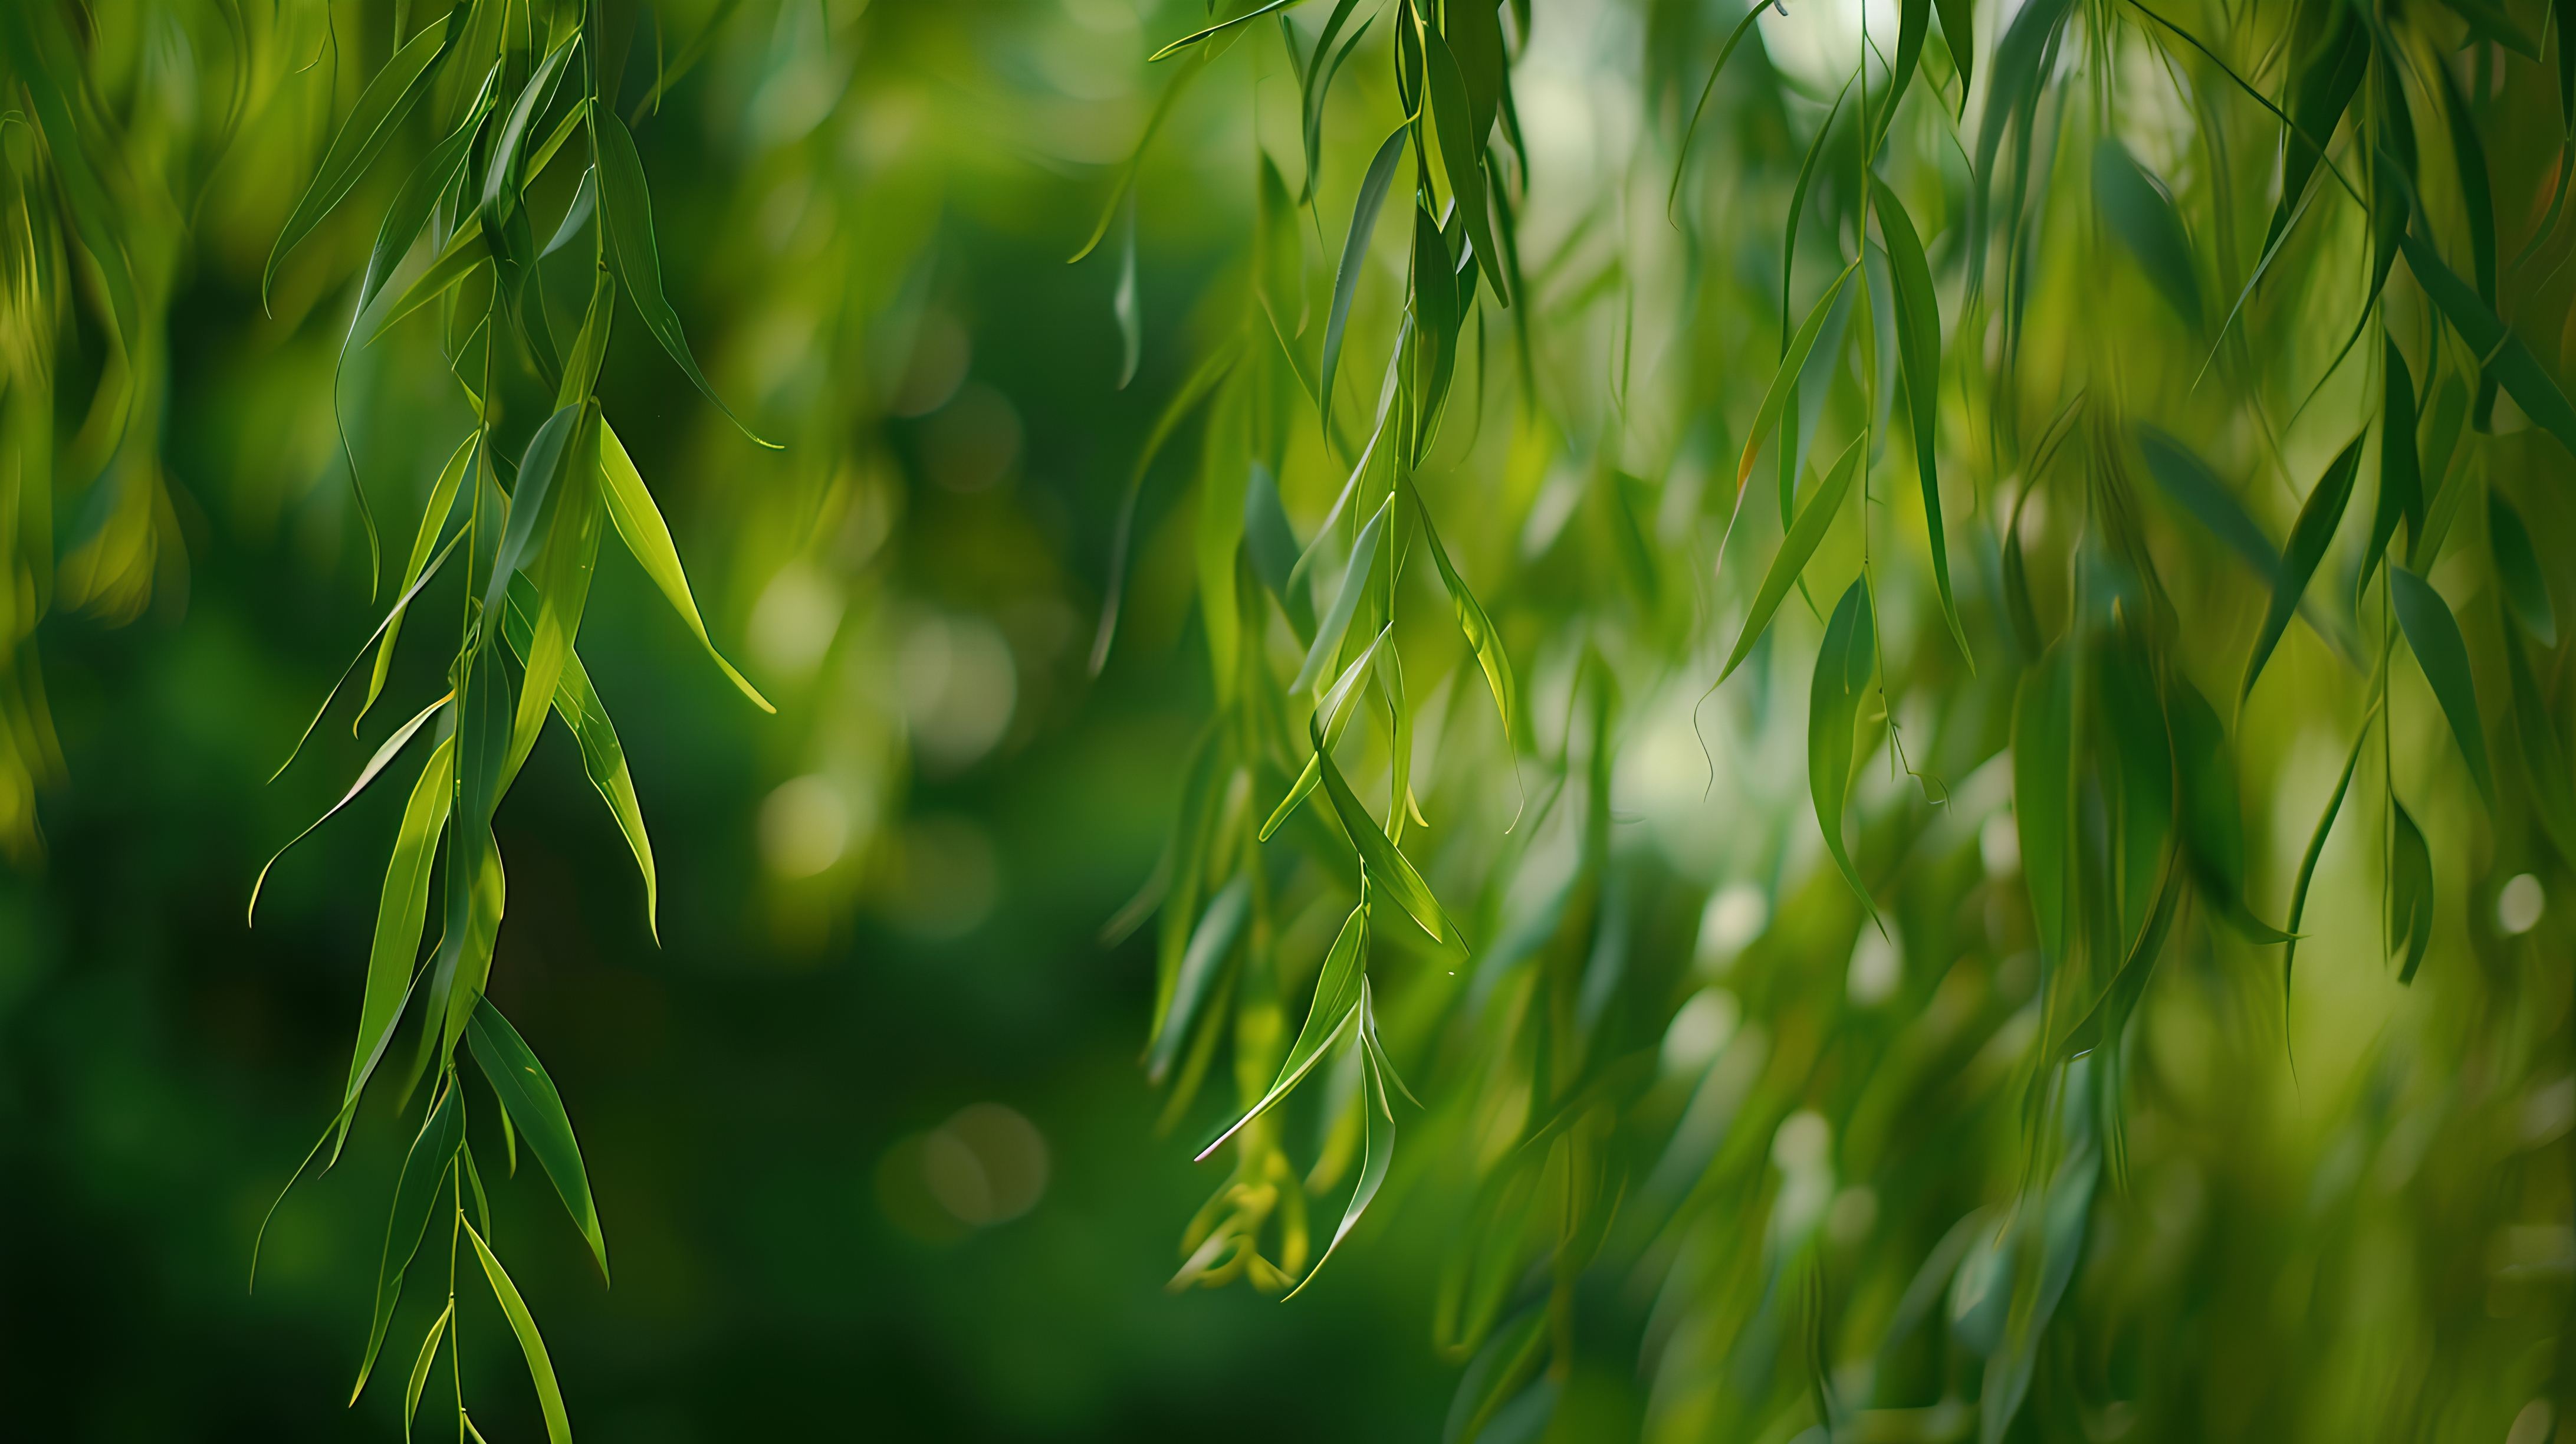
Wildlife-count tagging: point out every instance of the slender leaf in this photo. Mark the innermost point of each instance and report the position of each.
(639, 524)
(1918, 342)
(2309, 538)
(381, 110)
(2526, 592)
(425, 1169)
(603, 758)
(1210, 942)
(1386, 866)
(384, 755)
(626, 219)
(1784, 381)
(1355, 585)
(2508, 360)
(1844, 665)
(529, 1098)
(2401, 479)
(2410, 891)
(2308, 860)
(2144, 220)
(1477, 627)
(401, 912)
(541, 1370)
(2188, 481)
(1346, 277)
(2434, 634)
(1378, 1119)
(1823, 504)
(1336, 1007)
(2213, 814)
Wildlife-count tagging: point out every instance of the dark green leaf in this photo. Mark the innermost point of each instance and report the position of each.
(2212, 809)
(1918, 342)
(1462, 152)
(2143, 217)
(1959, 31)
(2308, 860)
(1210, 942)
(2410, 891)
(2526, 592)
(1346, 278)
(626, 219)
(2187, 480)
(2401, 481)
(1843, 668)
(528, 1095)
(2508, 360)
(425, 1168)
(2309, 538)
(2435, 637)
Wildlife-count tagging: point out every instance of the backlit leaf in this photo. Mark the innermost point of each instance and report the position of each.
(1795, 550)
(528, 1095)
(2309, 538)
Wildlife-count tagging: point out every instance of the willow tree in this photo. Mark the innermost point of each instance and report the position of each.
(1998, 385)
(1965, 845)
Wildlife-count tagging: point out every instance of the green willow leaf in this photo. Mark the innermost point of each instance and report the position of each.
(425, 1170)
(2319, 95)
(401, 911)
(1844, 665)
(434, 177)
(1386, 866)
(603, 758)
(2508, 360)
(1336, 710)
(1918, 342)
(1318, 85)
(2309, 538)
(384, 105)
(1355, 585)
(1462, 148)
(1346, 276)
(2401, 479)
(384, 756)
(1378, 1118)
(2188, 481)
(639, 524)
(2477, 191)
(626, 220)
(529, 1098)
(464, 252)
(2308, 860)
(1210, 942)
(506, 169)
(590, 346)
(1475, 625)
(1913, 23)
(541, 1370)
(1335, 1009)
(2410, 891)
(2213, 814)
(1681, 157)
(551, 459)
(1959, 31)
(2526, 592)
(2544, 757)
(1784, 381)
(420, 1367)
(424, 543)
(1474, 31)
(2144, 220)
(1222, 26)
(1272, 546)
(2434, 634)
(1795, 549)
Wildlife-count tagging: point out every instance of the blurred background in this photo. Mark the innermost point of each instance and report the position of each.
(873, 1149)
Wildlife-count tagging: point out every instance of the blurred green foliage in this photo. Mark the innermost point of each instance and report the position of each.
(1955, 1083)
